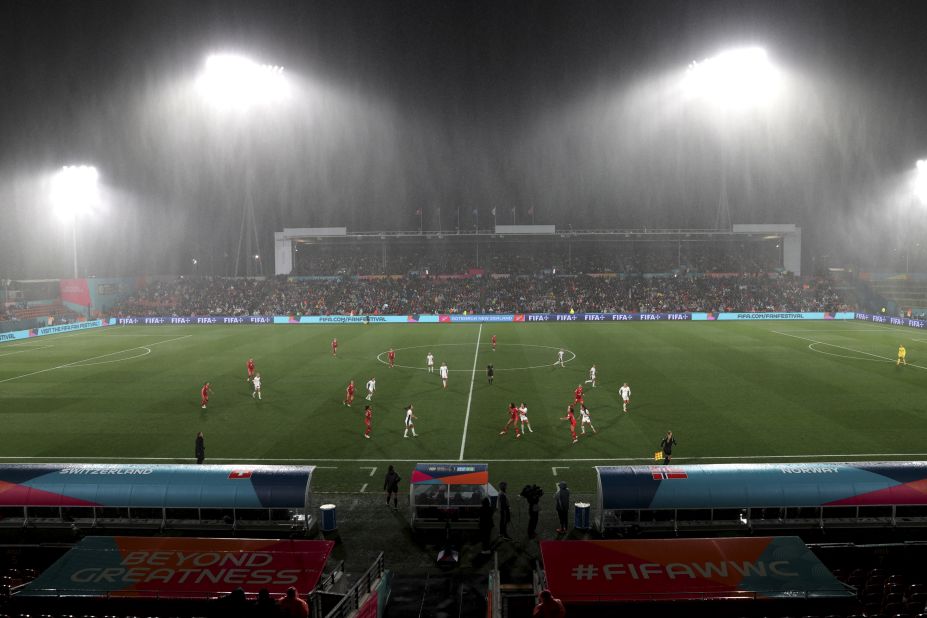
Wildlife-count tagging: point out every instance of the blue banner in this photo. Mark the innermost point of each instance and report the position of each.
(886, 319)
(454, 318)
(202, 319)
(54, 330)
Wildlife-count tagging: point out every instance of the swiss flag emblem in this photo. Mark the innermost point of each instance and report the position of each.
(240, 474)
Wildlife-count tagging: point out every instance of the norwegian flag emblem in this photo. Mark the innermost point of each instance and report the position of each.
(663, 474)
(240, 474)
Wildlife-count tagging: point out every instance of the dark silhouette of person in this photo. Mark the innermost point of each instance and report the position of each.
(548, 606)
(486, 524)
(505, 511)
(391, 487)
(200, 448)
(562, 502)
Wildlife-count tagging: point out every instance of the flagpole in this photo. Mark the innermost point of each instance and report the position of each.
(421, 214)
(439, 218)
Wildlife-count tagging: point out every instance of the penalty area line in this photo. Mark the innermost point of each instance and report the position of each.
(463, 439)
(77, 362)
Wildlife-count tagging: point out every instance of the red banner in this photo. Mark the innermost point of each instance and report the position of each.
(693, 569)
(75, 291)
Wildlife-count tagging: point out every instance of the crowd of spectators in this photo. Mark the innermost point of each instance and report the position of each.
(552, 256)
(480, 294)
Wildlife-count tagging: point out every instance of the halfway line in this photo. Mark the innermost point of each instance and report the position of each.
(463, 439)
(139, 347)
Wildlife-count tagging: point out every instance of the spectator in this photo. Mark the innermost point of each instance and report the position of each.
(548, 606)
(291, 606)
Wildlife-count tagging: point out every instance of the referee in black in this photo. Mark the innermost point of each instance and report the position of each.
(490, 372)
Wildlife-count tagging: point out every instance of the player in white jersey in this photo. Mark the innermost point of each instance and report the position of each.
(442, 370)
(591, 379)
(523, 417)
(371, 388)
(256, 380)
(430, 362)
(410, 422)
(560, 358)
(585, 419)
(625, 392)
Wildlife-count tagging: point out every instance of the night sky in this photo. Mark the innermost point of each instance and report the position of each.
(567, 108)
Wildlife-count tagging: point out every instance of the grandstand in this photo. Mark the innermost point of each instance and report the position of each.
(478, 277)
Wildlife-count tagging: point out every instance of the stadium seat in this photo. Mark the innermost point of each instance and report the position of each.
(856, 577)
(892, 599)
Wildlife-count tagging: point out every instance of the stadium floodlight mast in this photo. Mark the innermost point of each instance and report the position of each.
(234, 85)
(735, 78)
(75, 192)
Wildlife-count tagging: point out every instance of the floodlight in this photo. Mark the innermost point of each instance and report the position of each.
(74, 190)
(734, 78)
(920, 181)
(233, 81)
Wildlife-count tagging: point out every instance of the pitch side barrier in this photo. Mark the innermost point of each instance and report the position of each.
(746, 497)
(54, 330)
(454, 318)
(885, 319)
(164, 496)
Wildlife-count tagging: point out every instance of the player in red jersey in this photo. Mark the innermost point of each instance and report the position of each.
(334, 347)
(349, 394)
(578, 394)
(250, 370)
(513, 421)
(392, 357)
(572, 418)
(368, 421)
(204, 395)
(493, 343)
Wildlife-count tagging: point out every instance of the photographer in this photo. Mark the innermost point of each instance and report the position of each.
(532, 494)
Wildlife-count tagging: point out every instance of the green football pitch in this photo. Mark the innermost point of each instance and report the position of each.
(731, 392)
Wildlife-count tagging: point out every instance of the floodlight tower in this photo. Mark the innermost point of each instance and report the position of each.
(238, 85)
(75, 192)
(731, 82)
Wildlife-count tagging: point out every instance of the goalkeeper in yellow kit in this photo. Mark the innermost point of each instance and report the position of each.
(901, 354)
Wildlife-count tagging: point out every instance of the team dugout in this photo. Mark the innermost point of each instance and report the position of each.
(178, 496)
(726, 497)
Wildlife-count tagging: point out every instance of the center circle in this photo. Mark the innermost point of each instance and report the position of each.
(568, 355)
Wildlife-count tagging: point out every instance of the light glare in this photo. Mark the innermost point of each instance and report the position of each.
(75, 191)
(233, 81)
(734, 78)
(920, 181)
